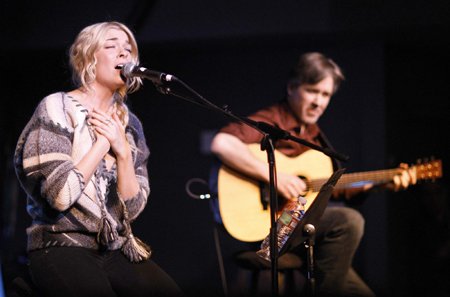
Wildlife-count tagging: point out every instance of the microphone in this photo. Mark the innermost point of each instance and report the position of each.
(130, 70)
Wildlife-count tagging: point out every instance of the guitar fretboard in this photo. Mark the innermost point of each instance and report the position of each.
(428, 171)
(359, 179)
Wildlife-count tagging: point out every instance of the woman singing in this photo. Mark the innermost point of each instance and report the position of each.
(82, 160)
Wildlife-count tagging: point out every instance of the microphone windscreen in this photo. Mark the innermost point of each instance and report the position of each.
(127, 70)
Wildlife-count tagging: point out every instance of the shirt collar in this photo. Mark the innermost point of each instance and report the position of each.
(293, 123)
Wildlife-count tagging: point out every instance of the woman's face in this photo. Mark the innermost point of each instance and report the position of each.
(116, 50)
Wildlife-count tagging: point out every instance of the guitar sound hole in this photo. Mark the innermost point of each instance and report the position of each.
(265, 193)
(308, 187)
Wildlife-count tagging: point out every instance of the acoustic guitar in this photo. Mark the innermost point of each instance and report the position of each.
(244, 201)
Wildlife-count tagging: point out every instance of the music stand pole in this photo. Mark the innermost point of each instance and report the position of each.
(310, 231)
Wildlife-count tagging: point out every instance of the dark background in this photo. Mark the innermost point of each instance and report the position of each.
(392, 108)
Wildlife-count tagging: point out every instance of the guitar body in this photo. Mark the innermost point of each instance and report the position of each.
(240, 204)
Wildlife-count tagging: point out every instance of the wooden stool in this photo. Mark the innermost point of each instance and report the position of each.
(287, 265)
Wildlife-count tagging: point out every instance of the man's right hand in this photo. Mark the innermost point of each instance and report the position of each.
(290, 186)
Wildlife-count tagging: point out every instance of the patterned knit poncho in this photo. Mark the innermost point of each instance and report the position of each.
(65, 211)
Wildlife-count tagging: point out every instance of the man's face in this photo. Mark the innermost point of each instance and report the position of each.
(310, 101)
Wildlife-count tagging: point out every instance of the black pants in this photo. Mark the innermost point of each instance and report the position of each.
(75, 271)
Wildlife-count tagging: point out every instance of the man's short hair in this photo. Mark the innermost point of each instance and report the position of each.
(312, 68)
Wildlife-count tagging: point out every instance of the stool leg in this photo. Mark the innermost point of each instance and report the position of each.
(282, 283)
(254, 282)
(289, 282)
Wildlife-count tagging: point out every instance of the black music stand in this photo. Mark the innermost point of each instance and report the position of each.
(304, 232)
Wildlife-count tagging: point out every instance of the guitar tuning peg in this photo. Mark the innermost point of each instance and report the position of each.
(419, 161)
(432, 158)
(426, 160)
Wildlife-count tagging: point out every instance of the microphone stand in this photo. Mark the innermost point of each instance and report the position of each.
(271, 134)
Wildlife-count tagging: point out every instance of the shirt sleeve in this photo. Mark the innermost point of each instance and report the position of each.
(46, 162)
(248, 134)
(136, 204)
(244, 132)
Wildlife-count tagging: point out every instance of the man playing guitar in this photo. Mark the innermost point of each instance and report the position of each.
(312, 82)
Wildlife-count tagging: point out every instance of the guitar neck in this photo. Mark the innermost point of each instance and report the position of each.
(356, 180)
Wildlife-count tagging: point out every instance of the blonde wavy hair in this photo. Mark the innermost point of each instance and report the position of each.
(83, 62)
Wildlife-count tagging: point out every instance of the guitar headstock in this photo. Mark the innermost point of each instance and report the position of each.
(429, 170)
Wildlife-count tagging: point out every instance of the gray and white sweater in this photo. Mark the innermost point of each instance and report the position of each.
(65, 211)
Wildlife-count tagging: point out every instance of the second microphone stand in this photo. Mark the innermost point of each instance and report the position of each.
(271, 135)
